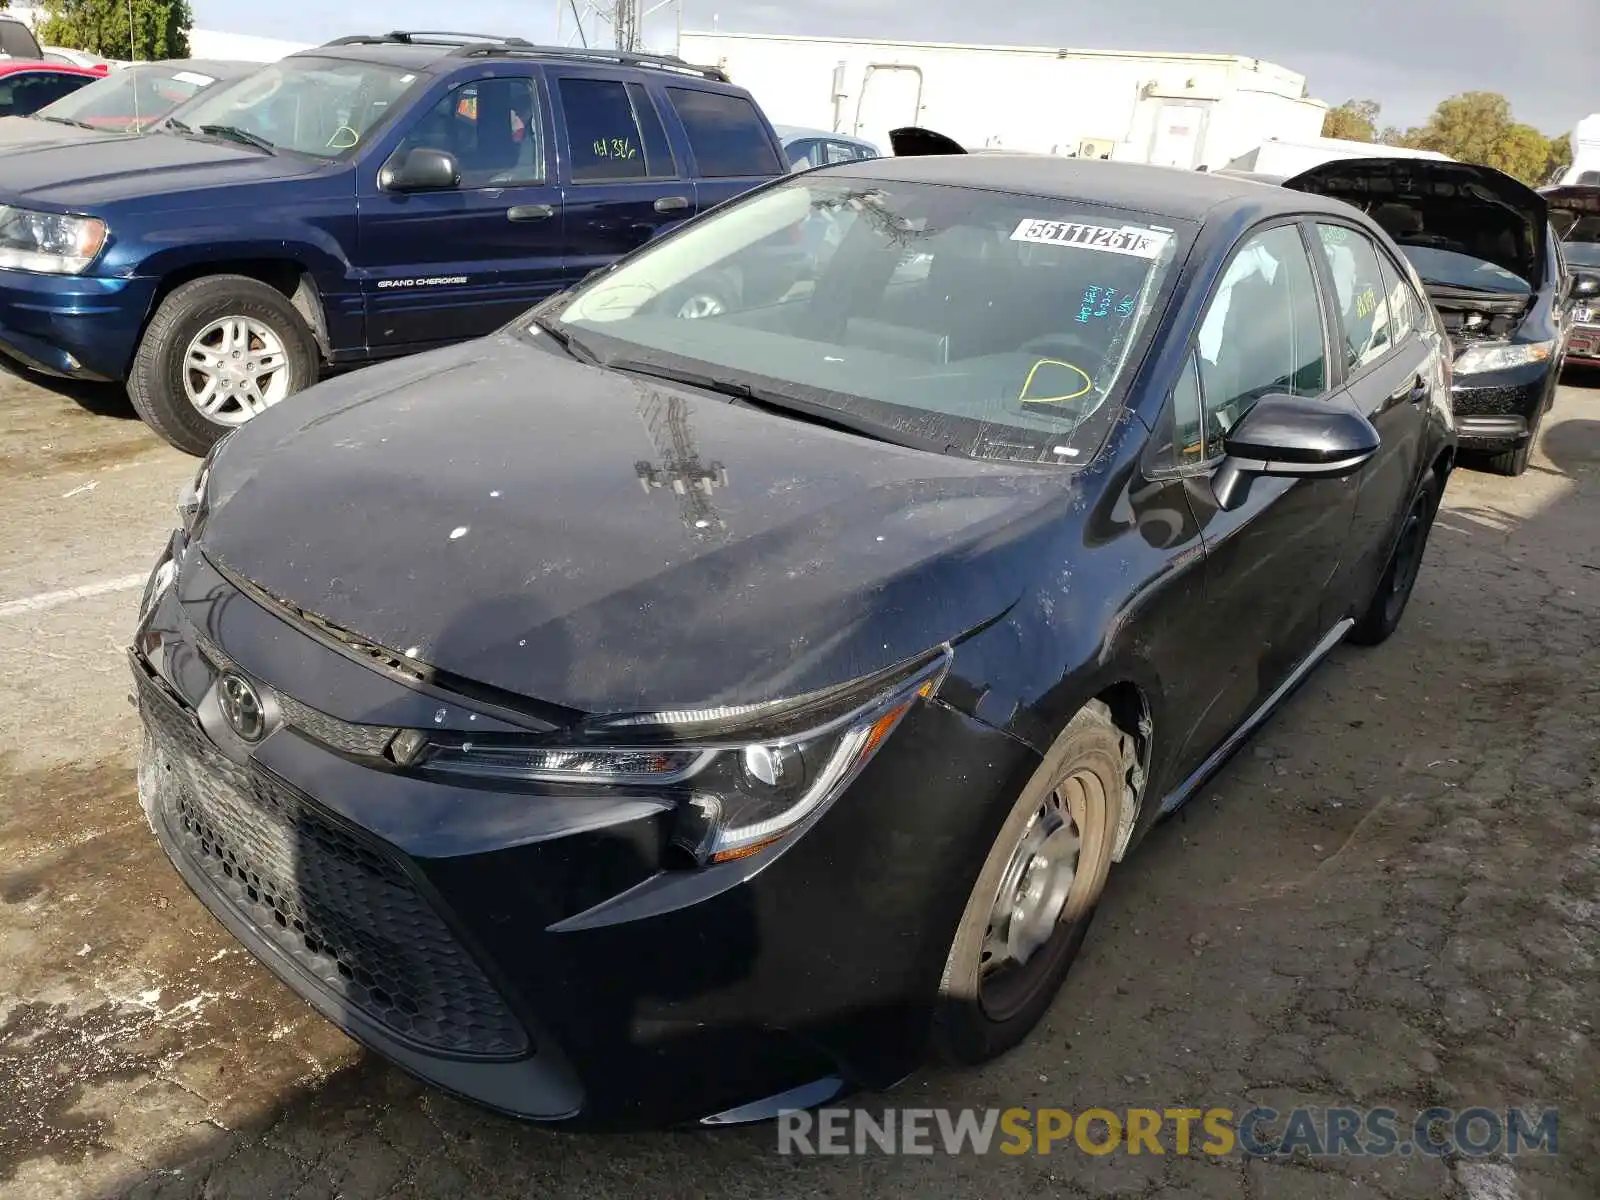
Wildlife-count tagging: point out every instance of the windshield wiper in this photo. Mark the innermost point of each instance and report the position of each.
(65, 121)
(788, 406)
(566, 341)
(234, 134)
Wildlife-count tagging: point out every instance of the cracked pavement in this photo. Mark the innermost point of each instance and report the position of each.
(1390, 897)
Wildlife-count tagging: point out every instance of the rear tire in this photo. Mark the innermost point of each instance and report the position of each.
(1388, 605)
(162, 377)
(989, 1000)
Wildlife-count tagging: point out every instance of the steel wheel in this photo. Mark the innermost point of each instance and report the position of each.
(234, 369)
(1042, 892)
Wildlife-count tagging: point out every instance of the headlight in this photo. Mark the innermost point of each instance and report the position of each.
(53, 243)
(771, 769)
(1497, 356)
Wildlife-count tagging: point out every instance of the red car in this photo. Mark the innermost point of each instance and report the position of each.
(27, 85)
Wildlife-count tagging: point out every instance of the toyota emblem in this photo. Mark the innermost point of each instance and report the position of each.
(241, 707)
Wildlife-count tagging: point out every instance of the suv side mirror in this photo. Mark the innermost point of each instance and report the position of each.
(423, 169)
(1291, 436)
(1585, 285)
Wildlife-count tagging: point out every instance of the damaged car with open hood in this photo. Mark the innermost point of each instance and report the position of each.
(1490, 260)
(649, 714)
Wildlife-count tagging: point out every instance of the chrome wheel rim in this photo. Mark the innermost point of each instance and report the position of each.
(234, 369)
(696, 307)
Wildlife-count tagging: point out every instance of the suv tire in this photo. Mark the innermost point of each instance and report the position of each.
(157, 381)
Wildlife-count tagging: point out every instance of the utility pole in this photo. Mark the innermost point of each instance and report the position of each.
(627, 25)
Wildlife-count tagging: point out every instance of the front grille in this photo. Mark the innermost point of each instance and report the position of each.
(367, 741)
(340, 906)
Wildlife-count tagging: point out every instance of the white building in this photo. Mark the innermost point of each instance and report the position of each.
(1182, 110)
(1585, 166)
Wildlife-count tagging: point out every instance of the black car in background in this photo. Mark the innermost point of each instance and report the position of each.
(633, 719)
(1575, 212)
(1484, 248)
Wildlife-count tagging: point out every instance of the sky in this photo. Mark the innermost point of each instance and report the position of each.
(1405, 54)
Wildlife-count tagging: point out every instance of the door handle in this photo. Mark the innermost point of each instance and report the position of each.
(669, 204)
(529, 212)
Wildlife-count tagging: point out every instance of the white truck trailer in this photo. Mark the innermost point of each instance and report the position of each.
(1179, 110)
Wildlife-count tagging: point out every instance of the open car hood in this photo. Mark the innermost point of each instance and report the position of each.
(1435, 194)
(1574, 204)
(912, 142)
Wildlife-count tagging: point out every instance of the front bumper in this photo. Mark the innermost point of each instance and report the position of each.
(529, 952)
(1497, 410)
(73, 326)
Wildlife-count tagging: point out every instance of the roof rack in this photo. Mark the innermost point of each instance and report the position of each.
(487, 45)
(626, 58)
(427, 37)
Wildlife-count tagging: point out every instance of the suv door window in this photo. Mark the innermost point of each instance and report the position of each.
(606, 134)
(838, 152)
(807, 153)
(1263, 331)
(725, 133)
(492, 128)
(17, 40)
(1363, 310)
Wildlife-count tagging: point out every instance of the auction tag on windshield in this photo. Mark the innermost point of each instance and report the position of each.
(195, 78)
(1128, 239)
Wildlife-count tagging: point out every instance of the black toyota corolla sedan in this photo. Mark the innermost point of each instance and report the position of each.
(634, 719)
(1483, 245)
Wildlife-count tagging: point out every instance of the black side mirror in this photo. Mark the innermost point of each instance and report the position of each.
(1293, 436)
(423, 169)
(1585, 285)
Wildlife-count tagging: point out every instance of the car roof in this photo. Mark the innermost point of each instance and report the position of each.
(12, 66)
(220, 67)
(1185, 195)
(788, 132)
(425, 50)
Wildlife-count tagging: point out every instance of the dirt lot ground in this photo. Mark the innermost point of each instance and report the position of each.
(1390, 897)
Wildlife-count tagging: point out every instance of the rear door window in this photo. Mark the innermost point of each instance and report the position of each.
(1357, 278)
(613, 131)
(1405, 310)
(725, 133)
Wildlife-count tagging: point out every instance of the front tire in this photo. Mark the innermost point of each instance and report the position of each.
(219, 351)
(1030, 909)
(1388, 603)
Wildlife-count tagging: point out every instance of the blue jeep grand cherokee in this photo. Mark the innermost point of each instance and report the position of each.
(371, 197)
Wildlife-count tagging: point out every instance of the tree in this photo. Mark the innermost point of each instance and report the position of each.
(1354, 120)
(160, 27)
(1477, 127)
(1559, 157)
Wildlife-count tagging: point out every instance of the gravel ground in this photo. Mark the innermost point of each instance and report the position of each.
(1388, 898)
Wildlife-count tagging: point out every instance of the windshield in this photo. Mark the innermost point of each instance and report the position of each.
(1448, 268)
(129, 99)
(318, 106)
(988, 324)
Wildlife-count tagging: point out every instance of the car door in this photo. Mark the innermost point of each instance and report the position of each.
(444, 265)
(1393, 367)
(1268, 560)
(621, 183)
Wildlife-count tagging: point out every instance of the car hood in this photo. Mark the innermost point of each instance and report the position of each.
(1428, 188)
(1573, 204)
(609, 543)
(30, 132)
(104, 167)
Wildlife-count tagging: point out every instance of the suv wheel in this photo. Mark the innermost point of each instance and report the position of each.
(219, 351)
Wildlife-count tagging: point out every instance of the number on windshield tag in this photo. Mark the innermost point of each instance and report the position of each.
(1129, 239)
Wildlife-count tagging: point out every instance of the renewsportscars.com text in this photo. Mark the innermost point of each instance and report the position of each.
(1213, 1132)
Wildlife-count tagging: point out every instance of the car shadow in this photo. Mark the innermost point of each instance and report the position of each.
(98, 399)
